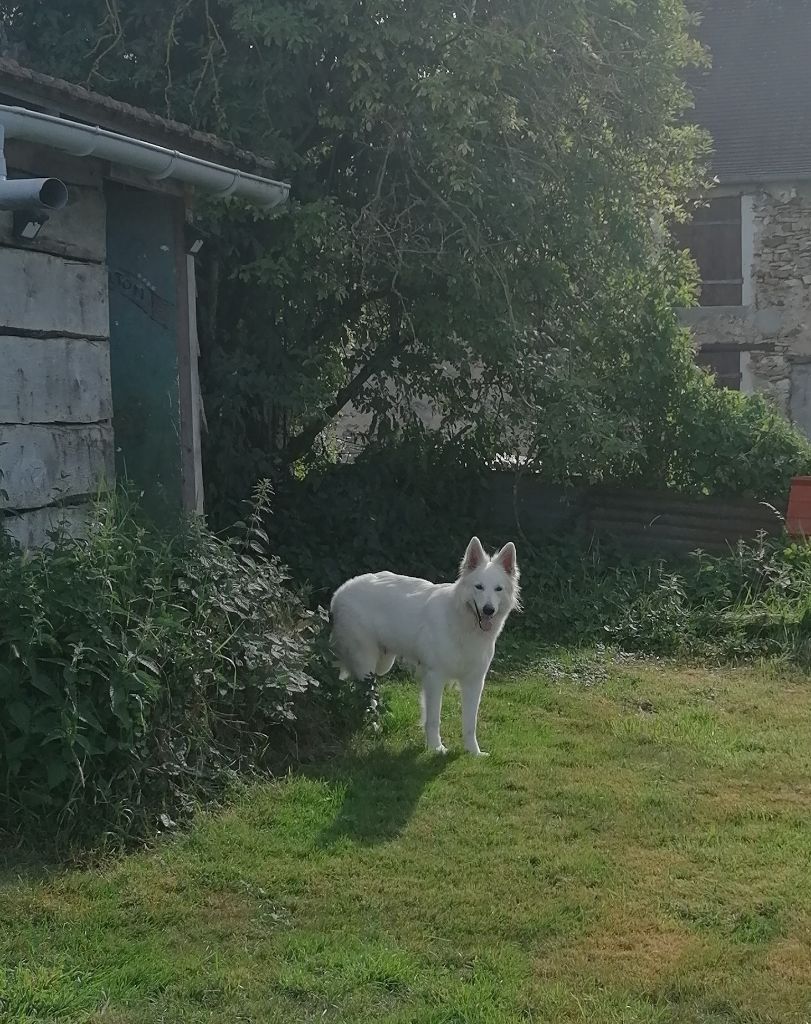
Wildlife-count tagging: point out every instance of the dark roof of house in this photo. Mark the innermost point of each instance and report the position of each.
(43, 92)
(756, 99)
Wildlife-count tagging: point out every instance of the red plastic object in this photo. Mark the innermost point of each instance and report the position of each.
(798, 515)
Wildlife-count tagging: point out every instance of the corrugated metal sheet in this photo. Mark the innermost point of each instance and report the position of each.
(642, 521)
(661, 522)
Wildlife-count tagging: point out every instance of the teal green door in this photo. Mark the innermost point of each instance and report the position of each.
(143, 262)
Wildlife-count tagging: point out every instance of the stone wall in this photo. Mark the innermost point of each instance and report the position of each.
(772, 330)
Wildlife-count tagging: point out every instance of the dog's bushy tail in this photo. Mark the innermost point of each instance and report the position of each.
(343, 671)
(344, 647)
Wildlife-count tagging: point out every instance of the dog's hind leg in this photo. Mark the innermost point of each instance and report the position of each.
(384, 663)
(433, 686)
(358, 654)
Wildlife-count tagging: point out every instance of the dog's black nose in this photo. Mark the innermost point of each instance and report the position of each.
(489, 610)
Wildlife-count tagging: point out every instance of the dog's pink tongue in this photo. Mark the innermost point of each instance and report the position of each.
(487, 625)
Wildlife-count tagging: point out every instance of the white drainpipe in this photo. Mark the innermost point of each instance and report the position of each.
(154, 162)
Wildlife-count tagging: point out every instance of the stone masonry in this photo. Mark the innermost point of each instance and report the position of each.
(772, 330)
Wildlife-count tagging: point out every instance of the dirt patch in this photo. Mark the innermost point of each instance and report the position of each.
(640, 950)
(789, 960)
(759, 797)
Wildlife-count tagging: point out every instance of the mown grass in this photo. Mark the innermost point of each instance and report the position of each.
(636, 849)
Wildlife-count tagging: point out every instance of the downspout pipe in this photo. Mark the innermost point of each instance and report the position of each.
(154, 162)
(40, 195)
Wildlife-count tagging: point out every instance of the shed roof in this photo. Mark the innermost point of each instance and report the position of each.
(756, 99)
(55, 95)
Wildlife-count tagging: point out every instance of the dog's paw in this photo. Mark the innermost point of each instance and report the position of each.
(441, 749)
(479, 753)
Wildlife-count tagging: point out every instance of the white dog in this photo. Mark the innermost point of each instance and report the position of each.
(447, 631)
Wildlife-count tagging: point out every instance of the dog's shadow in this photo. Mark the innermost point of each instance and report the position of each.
(382, 792)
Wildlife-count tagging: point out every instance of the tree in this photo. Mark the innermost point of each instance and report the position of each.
(473, 186)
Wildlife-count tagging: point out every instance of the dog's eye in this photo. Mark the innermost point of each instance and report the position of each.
(499, 588)
(479, 586)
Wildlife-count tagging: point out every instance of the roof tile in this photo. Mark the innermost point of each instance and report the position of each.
(756, 99)
(94, 108)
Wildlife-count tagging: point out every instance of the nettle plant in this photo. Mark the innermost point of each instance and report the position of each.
(141, 672)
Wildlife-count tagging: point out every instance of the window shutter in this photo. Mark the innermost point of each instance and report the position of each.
(724, 364)
(714, 240)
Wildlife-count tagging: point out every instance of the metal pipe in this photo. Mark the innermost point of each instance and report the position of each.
(154, 162)
(41, 195)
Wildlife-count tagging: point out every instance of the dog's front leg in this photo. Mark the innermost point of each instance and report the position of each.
(471, 696)
(432, 689)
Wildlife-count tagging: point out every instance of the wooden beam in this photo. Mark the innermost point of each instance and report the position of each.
(42, 463)
(49, 294)
(32, 529)
(45, 162)
(78, 232)
(185, 356)
(54, 380)
(196, 397)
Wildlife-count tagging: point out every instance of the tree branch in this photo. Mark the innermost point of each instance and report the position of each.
(298, 446)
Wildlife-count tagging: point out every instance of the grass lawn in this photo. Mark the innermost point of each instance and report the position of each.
(636, 849)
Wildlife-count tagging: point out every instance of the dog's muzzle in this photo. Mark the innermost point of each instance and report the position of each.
(485, 617)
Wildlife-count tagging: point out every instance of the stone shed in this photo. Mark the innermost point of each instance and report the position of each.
(98, 345)
(752, 240)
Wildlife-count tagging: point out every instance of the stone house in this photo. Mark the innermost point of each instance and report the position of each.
(752, 241)
(98, 341)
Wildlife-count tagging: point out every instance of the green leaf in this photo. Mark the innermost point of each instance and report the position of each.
(57, 772)
(20, 714)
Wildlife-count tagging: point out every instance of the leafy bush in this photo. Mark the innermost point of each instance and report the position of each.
(442, 215)
(140, 672)
(754, 602)
(404, 508)
(391, 510)
(722, 442)
(681, 431)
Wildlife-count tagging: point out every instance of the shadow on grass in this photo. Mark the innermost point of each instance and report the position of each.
(26, 863)
(383, 789)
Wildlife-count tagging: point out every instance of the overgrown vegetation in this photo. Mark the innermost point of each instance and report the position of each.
(389, 510)
(473, 189)
(750, 604)
(473, 192)
(140, 673)
(721, 442)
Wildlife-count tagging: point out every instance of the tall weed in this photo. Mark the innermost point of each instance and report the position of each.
(140, 672)
(753, 602)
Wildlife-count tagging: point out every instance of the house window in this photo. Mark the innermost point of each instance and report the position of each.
(724, 364)
(715, 242)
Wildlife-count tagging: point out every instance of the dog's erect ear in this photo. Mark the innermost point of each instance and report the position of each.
(474, 556)
(507, 558)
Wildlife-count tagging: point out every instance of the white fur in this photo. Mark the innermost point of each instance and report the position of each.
(445, 630)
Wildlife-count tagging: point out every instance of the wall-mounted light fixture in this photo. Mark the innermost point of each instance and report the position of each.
(195, 239)
(26, 226)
